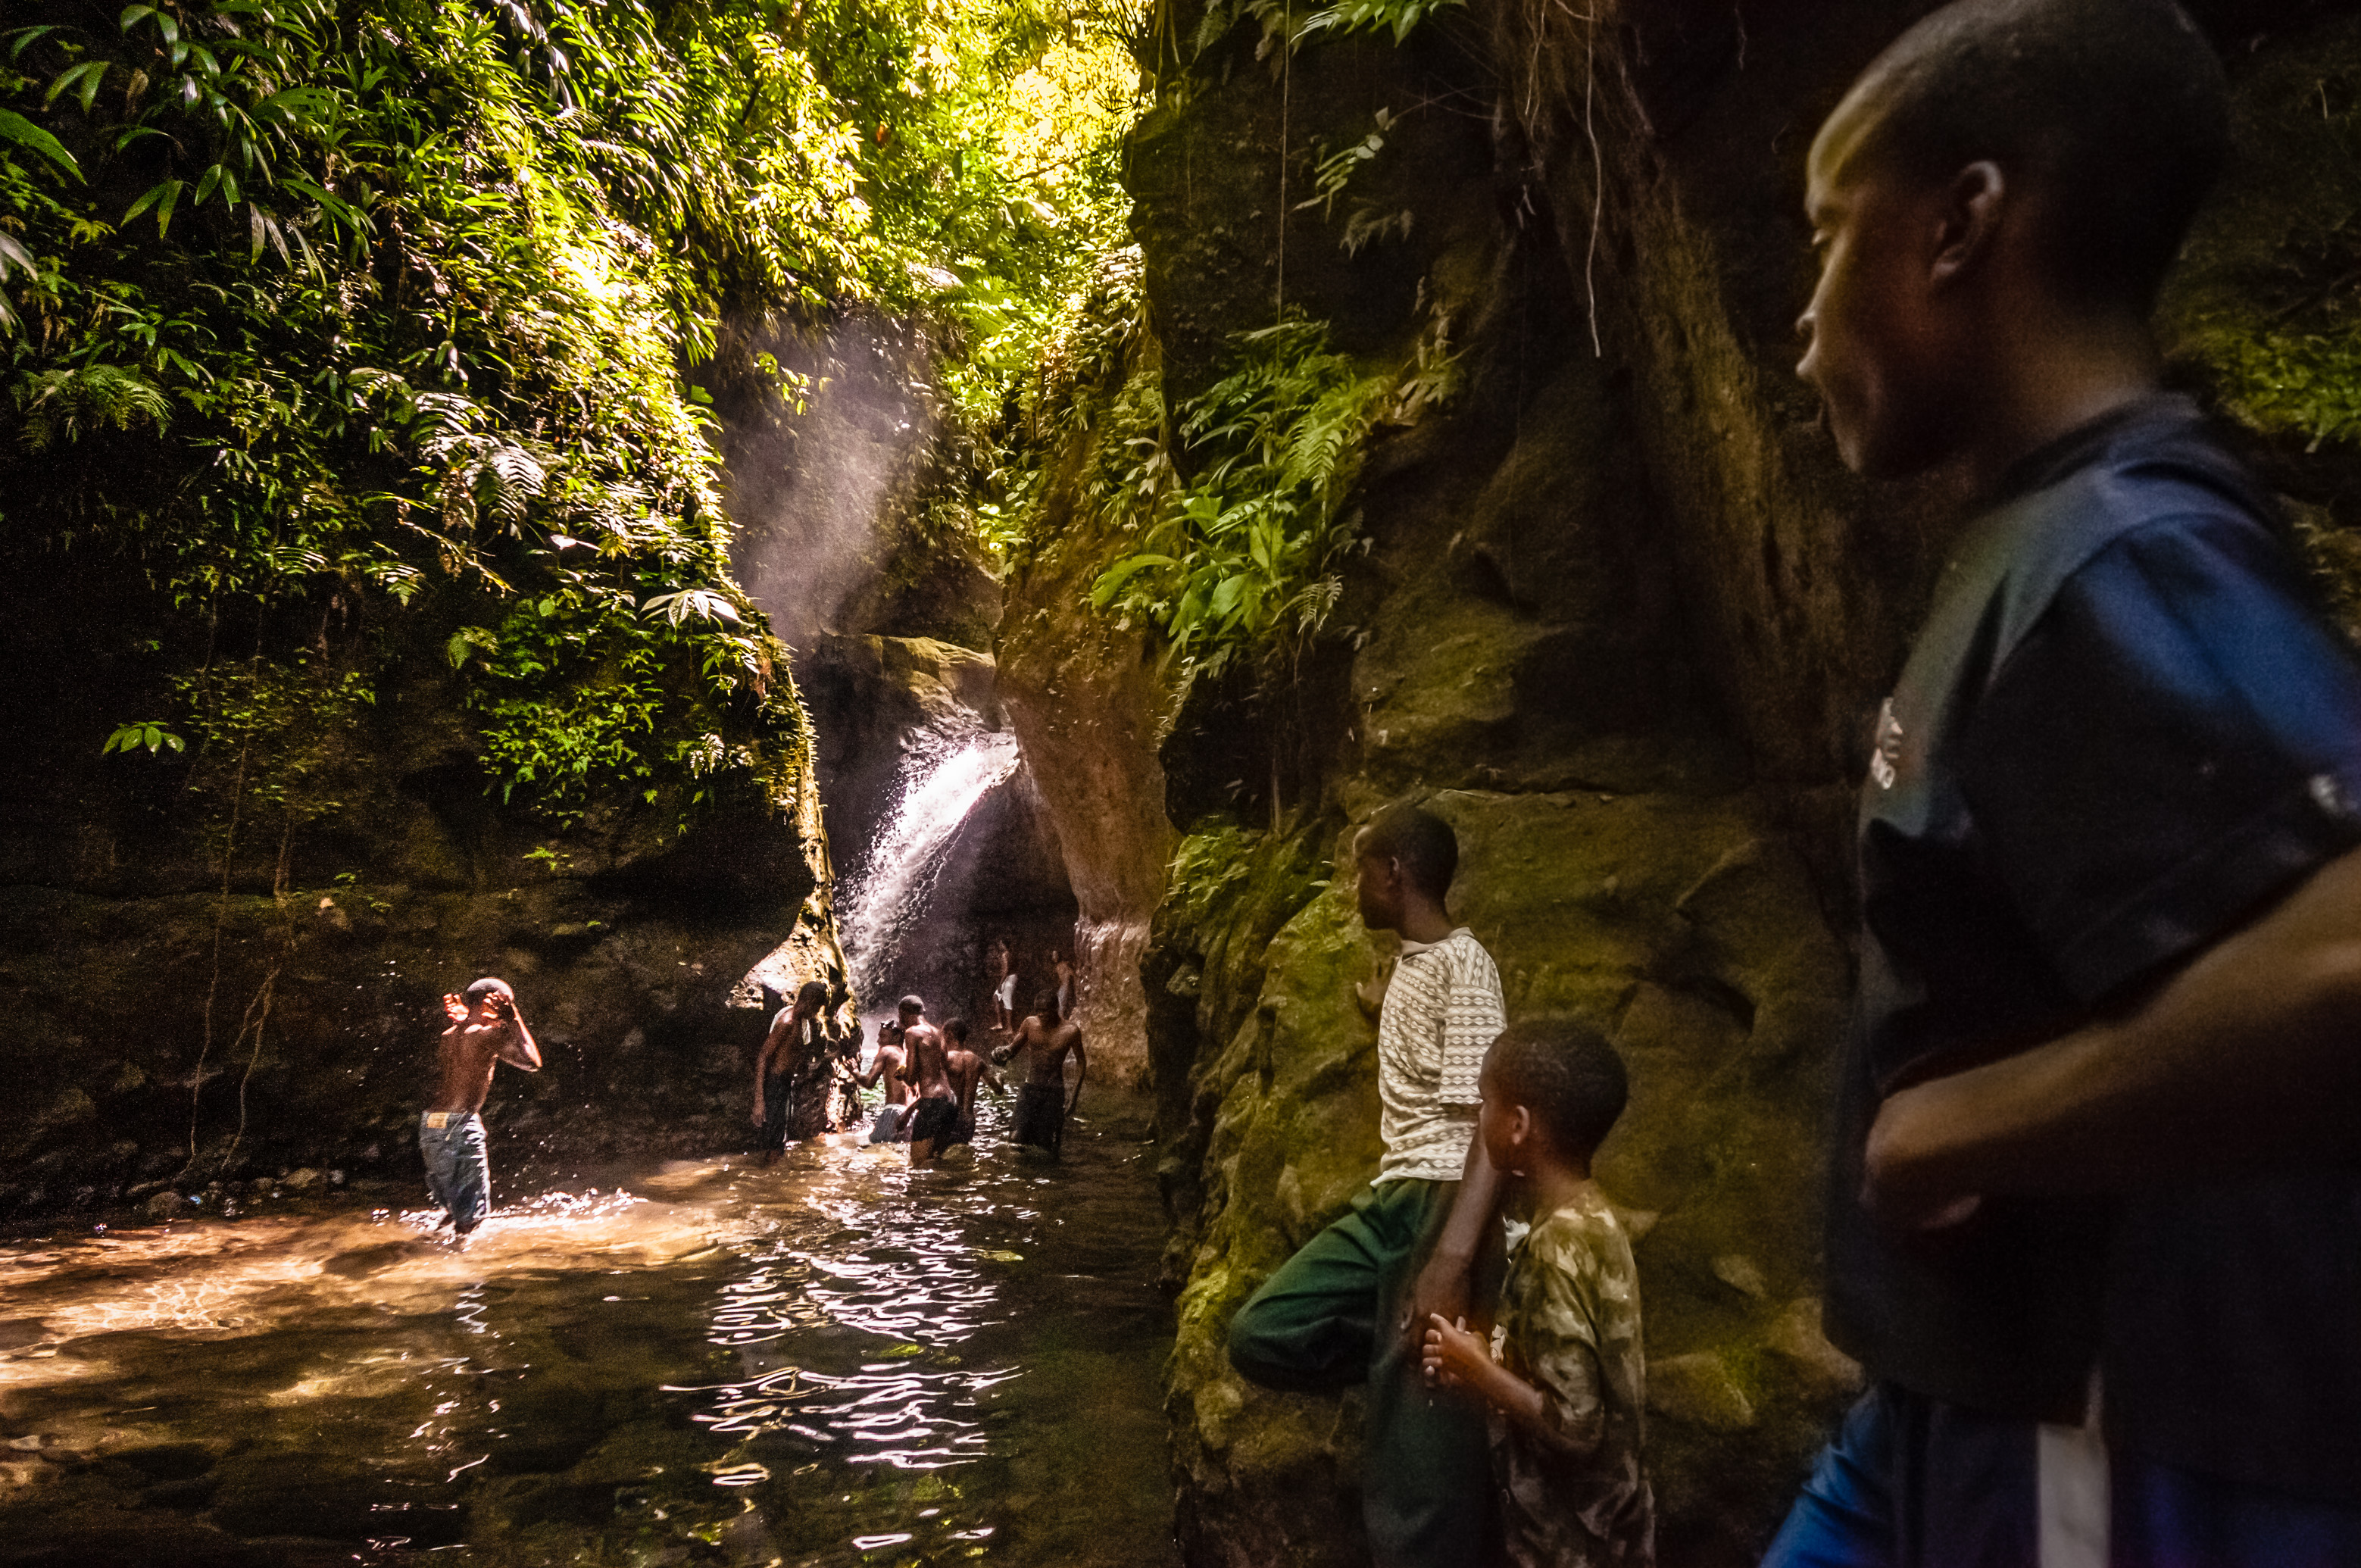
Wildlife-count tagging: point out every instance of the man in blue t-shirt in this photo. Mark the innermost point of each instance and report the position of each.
(2095, 1222)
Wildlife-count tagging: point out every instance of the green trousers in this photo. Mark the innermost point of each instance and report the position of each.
(1335, 1316)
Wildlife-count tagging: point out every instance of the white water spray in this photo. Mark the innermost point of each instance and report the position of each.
(948, 773)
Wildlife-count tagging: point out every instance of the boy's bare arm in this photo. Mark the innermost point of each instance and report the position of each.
(763, 1064)
(1457, 1357)
(1453, 1355)
(2248, 1059)
(1442, 1282)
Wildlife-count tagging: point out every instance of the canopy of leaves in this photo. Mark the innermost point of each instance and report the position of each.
(375, 315)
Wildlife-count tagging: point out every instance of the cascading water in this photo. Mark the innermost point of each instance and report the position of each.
(950, 770)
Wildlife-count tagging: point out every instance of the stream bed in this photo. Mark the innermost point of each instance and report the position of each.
(834, 1361)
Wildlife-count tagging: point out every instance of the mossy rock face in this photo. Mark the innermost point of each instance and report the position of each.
(1690, 935)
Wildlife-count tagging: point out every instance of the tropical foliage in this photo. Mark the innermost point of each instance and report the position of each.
(1247, 554)
(1242, 558)
(357, 329)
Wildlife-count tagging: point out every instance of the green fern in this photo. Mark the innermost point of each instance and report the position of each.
(71, 403)
(1245, 561)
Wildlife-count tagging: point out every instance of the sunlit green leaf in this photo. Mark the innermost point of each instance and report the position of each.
(15, 128)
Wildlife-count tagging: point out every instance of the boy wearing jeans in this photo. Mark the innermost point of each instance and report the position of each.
(486, 1030)
(1347, 1309)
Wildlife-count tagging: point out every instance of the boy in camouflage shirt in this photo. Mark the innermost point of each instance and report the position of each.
(1564, 1375)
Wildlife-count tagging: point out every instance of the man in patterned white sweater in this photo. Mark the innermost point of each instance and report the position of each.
(1347, 1309)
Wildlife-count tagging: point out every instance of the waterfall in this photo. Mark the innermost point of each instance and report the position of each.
(949, 772)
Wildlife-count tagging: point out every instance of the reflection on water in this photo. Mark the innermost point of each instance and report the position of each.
(834, 1361)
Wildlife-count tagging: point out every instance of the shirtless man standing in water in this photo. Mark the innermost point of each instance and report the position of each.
(1003, 985)
(1046, 1040)
(891, 1061)
(934, 1115)
(486, 1030)
(968, 1070)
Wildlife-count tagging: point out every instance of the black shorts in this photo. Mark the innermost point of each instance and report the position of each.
(932, 1120)
(778, 1109)
(1041, 1116)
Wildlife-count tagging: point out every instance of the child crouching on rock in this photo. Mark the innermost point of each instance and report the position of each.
(1564, 1375)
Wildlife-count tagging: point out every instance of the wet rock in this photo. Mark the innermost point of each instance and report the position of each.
(301, 1180)
(1797, 1336)
(1699, 1390)
(329, 1497)
(521, 1502)
(164, 1205)
(637, 1453)
(1742, 1273)
(189, 1493)
(166, 1460)
(70, 1106)
(124, 1541)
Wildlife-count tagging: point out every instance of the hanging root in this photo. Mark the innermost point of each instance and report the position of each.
(1539, 32)
(221, 920)
(1598, 181)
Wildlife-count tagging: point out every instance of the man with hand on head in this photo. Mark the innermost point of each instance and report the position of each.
(2094, 1213)
(485, 1030)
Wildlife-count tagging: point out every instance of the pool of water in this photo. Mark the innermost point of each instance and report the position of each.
(834, 1361)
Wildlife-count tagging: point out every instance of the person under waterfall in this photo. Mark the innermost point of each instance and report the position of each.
(486, 1029)
(1003, 985)
(794, 1073)
(1351, 1307)
(889, 1064)
(969, 1072)
(1045, 1039)
(2093, 1209)
(934, 1107)
(1064, 968)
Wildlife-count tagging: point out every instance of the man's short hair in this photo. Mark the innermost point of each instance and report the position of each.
(812, 991)
(911, 1004)
(2117, 109)
(487, 986)
(1566, 1073)
(1045, 1003)
(1423, 843)
(956, 1029)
